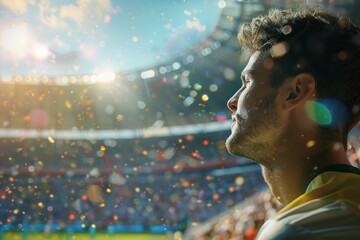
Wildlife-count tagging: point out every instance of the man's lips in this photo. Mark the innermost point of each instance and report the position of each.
(233, 120)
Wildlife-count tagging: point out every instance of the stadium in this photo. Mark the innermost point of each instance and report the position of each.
(125, 139)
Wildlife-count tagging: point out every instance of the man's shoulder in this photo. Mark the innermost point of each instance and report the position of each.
(316, 219)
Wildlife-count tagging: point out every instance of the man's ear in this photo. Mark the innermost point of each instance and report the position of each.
(297, 90)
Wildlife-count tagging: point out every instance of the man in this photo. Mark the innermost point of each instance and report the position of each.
(299, 98)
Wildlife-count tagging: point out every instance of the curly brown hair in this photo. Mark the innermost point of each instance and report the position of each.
(311, 40)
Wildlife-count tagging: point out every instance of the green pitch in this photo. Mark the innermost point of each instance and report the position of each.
(86, 236)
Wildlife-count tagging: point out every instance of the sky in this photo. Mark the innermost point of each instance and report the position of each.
(67, 38)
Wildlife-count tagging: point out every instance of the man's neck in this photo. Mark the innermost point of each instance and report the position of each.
(293, 169)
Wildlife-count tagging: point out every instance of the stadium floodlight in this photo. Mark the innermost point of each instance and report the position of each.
(106, 77)
(147, 74)
(222, 4)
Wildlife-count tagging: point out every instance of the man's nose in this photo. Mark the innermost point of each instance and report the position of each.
(232, 103)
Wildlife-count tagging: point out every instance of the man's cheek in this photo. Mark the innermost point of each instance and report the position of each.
(244, 114)
(243, 107)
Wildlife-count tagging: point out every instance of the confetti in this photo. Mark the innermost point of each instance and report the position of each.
(310, 144)
(51, 140)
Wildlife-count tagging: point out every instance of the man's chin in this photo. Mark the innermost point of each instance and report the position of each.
(232, 147)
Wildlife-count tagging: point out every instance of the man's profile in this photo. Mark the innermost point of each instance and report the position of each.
(299, 99)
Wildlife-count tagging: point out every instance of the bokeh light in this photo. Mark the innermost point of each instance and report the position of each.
(16, 40)
(205, 98)
(318, 112)
(279, 50)
(327, 112)
(38, 118)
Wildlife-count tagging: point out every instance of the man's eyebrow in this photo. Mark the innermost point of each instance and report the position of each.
(247, 72)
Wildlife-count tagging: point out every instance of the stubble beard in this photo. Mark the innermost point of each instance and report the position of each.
(254, 138)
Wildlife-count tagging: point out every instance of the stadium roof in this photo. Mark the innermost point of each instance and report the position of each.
(63, 86)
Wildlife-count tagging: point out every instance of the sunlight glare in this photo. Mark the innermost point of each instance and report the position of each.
(15, 39)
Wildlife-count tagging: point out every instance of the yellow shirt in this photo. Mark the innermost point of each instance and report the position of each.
(329, 209)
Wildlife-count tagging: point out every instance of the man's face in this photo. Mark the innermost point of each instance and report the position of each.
(254, 113)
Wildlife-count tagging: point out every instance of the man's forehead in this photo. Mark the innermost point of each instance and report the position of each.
(253, 63)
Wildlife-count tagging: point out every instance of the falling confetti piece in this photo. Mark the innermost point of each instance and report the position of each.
(51, 139)
(68, 104)
(310, 144)
(119, 117)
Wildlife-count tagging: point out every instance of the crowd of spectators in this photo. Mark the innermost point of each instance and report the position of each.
(241, 222)
(45, 154)
(167, 199)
